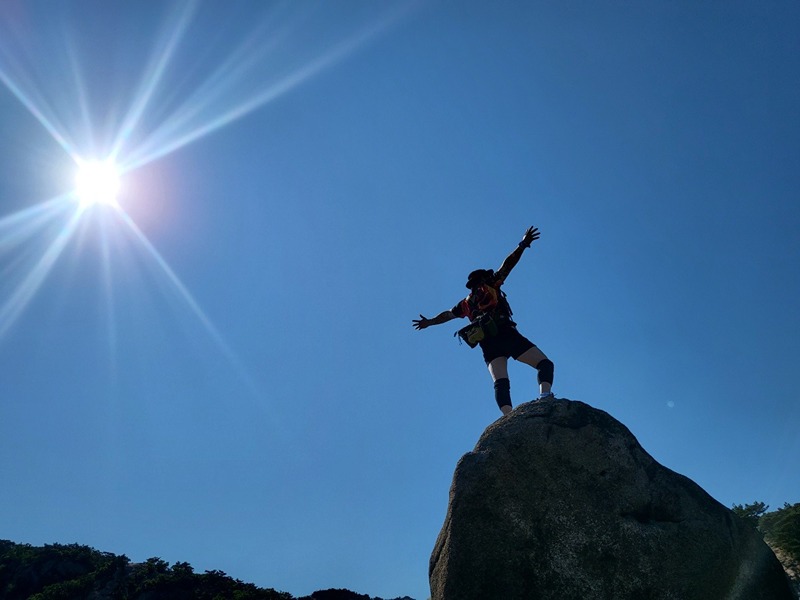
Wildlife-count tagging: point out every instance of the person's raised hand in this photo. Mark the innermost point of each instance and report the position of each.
(531, 235)
(420, 323)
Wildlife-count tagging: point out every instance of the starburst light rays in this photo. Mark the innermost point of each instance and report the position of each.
(37, 110)
(16, 303)
(18, 227)
(222, 98)
(186, 91)
(153, 75)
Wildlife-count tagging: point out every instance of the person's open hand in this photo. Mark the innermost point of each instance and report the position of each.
(420, 323)
(530, 236)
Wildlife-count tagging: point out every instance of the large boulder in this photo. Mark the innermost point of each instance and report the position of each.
(558, 501)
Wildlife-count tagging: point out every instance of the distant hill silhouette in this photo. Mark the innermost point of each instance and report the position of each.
(72, 572)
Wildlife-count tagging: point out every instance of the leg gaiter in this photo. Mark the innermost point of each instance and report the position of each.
(502, 392)
(545, 368)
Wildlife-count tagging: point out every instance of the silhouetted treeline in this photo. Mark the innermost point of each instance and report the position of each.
(72, 572)
(781, 528)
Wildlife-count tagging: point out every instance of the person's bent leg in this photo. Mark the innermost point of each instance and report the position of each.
(502, 393)
(545, 377)
(498, 369)
(545, 367)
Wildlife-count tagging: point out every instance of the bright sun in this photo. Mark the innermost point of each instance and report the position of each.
(97, 182)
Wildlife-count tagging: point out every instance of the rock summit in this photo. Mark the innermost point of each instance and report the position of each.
(559, 500)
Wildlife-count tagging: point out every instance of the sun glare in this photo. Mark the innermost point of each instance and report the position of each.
(97, 183)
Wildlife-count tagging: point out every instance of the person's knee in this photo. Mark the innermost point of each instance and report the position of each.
(502, 392)
(546, 369)
(498, 368)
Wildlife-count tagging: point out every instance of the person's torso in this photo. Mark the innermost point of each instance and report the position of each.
(488, 299)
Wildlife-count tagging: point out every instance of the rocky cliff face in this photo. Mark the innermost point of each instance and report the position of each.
(559, 500)
(791, 566)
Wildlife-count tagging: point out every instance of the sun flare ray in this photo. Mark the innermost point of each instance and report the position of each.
(108, 298)
(38, 114)
(21, 225)
(80, 88)
(181, 128)
(13, 307)
(153, 77)
(187, 297)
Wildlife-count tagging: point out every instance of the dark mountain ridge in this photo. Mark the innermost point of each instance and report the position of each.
(72, 572)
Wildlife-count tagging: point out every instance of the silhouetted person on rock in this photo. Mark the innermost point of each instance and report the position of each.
(492, 328)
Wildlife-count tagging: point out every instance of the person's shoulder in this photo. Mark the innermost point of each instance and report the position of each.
(459, 310)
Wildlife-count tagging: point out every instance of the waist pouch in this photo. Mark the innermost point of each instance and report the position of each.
(483, 327)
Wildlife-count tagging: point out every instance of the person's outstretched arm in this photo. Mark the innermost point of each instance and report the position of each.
(531, 235)
(442, 317)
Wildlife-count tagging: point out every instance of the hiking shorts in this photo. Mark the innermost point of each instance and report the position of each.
(508, 343)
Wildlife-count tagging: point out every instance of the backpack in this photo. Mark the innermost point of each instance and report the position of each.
(486, 323)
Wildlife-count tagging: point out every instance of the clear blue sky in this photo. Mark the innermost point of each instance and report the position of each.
(224, 371)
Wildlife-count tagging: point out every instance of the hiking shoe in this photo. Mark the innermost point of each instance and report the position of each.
(547, 396)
